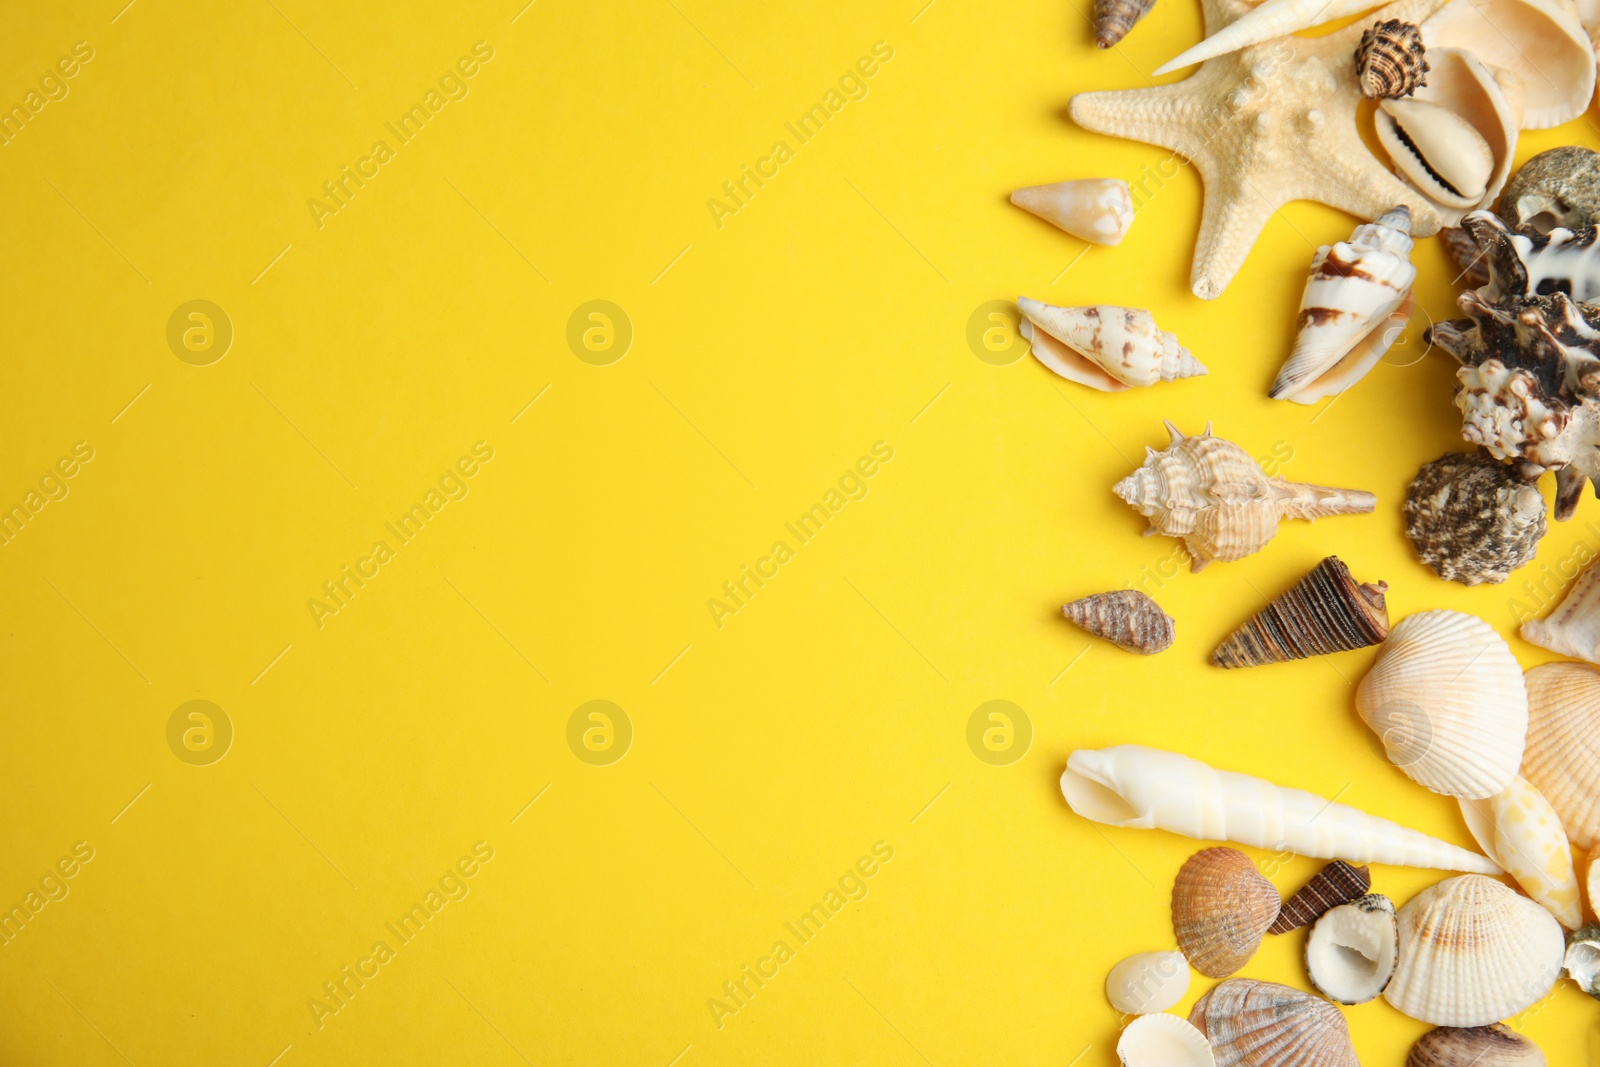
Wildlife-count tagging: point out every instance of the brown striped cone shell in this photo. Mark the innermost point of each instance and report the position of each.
(1326, 611)
(1114, 18)
(1472, 519)
(1562, 758)
(1263, 1024)
(1389, 60)
(1474, 1046)
(1127, 618)
(1221, 907)
(1337, 883)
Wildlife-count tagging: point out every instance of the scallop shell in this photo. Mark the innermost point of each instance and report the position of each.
(1127, 618)
(1148, 982)
(1573, 627)
(1440, 153)
(1221, 908)
(1582, 959)
(1473, 952)
(1539, 40)
(1355, 304)
(1446, 697)
(1326, 611)
(1559, 187)
(1389, 60)
(1106, 348)
(1474, 1046)
(1563, 754)
(1263, 1024)
(1337, 883)
(1163, 1041)
(1522, 832)
(1472, 519)
(1490, 101)
(1096, 209)
(1114, 18)
(1209, 492)
(1350, 955)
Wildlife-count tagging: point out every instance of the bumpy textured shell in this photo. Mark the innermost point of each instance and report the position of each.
(1473, 952)
(1127, 618)
(1389, 60)
(1256, 1024)
(1559, 187)
(1209, 492)
(1472, 519)
(1221, 908)
(1474, 1046)
(1470, 262)
(1326, 611)
(1562, 759)
(1523, 832)
(1573, 628)
(1114, 18)
(1105, 347)
(1337, 883)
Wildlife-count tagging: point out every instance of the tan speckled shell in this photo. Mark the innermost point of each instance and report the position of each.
(1472, 519)
(1562, 758)
(1127, 618)
(1221, 907)
(1263, 1024)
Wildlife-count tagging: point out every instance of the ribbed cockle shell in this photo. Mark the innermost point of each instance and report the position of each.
(1562, 759)
(1127, 618)
(1326, 611)
(1221, 907)
(1254, 1024)
(1106, 348)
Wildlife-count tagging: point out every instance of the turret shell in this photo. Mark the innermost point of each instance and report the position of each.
(1221, 908)
(1337, 883)
(1389, 60)
(1563, 752)
(1262, 1024)
(1327, 611)
(1472, 519)
(1114, 18)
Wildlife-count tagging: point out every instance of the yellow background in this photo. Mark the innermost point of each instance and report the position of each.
(768, 355)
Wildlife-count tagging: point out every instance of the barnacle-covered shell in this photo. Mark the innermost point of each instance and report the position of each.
(1127, 618)
(1107, 348)
(1582, 960)
(1095, 209)
(1542, 41)
(1440, 153)
(1221, 908)
(1164, 1041)
(1522, 832)
(1114, 18)
(1350, 955)
(1326, 611)
(1210, 493)
(1562, 758)
(1472, 519)
(1469, 260)
(1263, 1024)
(1494, 1045)
(1558, 187)
(1148, 982)
(1389, 60)
(1337, 883)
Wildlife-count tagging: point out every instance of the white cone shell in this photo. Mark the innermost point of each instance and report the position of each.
(1147, 788)
(1473, 952)
(1274, 18)
(1096, 209)
(1164, 1041)
(1123, 343)
(1446, 697)
(1522, 833)
(1541, 41)
(1148, 982)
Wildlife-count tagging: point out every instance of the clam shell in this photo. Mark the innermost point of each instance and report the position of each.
(1389, 60)
(1440, 153)
(1446, 698)
(1263, 1024)
(1351, 953)
(1148, 982)
(1095, 209)
(1563, 754)
(1096, 343)
(1337, 883)
(1540, 41)
(1573, 628)
(1522, 832)
(1473, 952)
(1221, 908)
(1474, 1046)
(1326, 611)
(1163, 1041)
(1582, 959)
(1127, 618)
(1461, 83)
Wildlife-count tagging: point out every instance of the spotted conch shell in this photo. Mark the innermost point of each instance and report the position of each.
(1523, 833)
(1106, 348)
(1355, 304)
(1207, 491)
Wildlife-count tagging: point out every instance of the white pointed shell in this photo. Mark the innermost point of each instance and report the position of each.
(1563, 754)
(1148, 982)
(1446, 698)
(1096, 209)
(1473, 952)
(1489, 100)
(1573, 628)
(1539, 40)
(1522, 832)
(1351, 953)
(1440, 153)
(1274, 18)
(1123, 344)
(1355, 303)
(1147, 788)
(1163, 1041)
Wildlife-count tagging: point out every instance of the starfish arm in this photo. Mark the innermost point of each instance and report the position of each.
(1166, 115)
(1236, 211)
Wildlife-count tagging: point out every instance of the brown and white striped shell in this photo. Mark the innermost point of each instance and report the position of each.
(1472, 519)
(1326, 611)
(1390, 61)
(1127, 618)
(1337, 883)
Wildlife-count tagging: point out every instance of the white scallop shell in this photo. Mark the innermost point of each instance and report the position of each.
(1095, 209)
(1539, 40)
(1573, 628)
(1563, 752)
(1148, 982)
(1164, 1041)
(1522, 832)
(1352, 950)
(1440, 153)
(1107, 348)
(1473, 952)
(1446, 698)
(1489, 100)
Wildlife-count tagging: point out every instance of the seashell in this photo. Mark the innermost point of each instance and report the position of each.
(1106, 348)
(1114, 18)
(1556, 188)
(1563, 754)
(1095, 209)
(1211, 494)
(1148, 982)
(1146, 788)
(1530, 264)
(1337, 883)
(1539, 40)
(1489, 101)
(1127, 618)
(1350, 955)
(1521, 832)
(1463, 252)
(1355, 303)
(1164, 1041)
(1573, 627)
(1582, 959)
(1221, 908)
(1263, 1024)
(1494, 1045)
(1389, 60)
(1440, 153)
(1447, 700)
(1591, 880)
(1273, 18)
(1326, 611)
(1472, 519)
(1472, 952)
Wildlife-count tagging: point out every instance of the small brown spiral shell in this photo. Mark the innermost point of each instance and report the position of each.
(1389, 60)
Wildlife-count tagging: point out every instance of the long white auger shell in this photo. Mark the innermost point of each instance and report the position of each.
(1147, 788)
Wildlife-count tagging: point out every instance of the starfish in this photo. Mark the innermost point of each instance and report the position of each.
(1265, 125)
